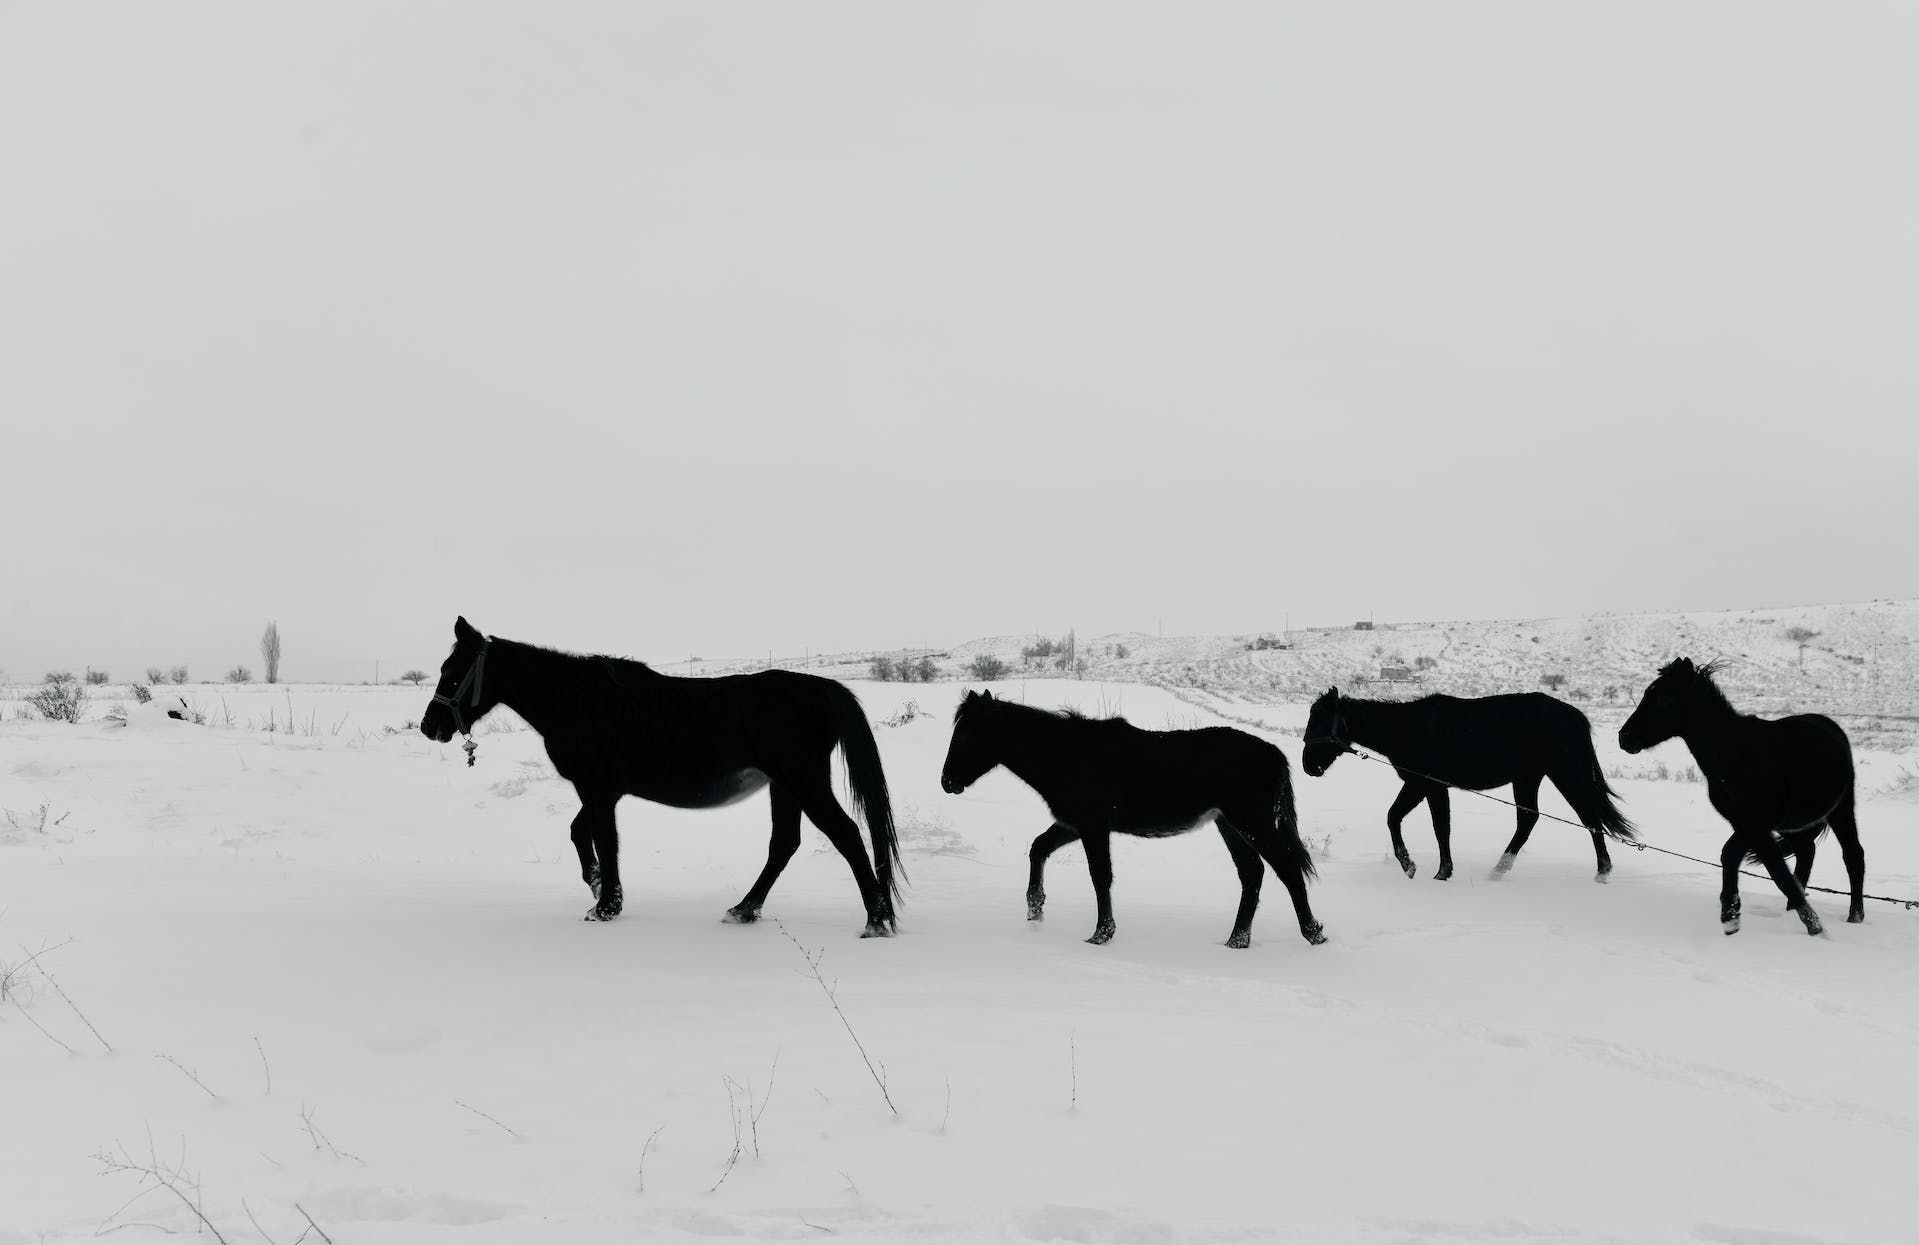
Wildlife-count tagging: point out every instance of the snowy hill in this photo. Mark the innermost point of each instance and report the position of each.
(1862, 658)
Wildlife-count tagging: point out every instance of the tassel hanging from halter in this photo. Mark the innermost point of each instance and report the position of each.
(471, 748)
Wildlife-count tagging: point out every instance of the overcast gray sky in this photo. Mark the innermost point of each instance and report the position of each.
(721, 328)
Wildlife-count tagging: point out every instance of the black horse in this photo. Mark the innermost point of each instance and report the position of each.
(1105, 776)
(615, 727)
(1779, 783)
(1437, 742)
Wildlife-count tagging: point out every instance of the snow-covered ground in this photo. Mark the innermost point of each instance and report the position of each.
(371, 957)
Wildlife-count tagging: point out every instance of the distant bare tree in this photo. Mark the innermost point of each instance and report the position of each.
(178, 674)
(415, 677)
(1801, 636)
(239, 674)
(270, 651)
(156, 675)
(96, 678)
(1555, 680)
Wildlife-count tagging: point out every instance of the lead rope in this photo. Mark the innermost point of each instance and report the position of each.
(1908, 904)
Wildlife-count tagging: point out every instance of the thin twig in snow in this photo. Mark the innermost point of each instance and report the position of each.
(643, 1149)
(813, 965)
(256, 1223)
(76, 1008)
(36, 1024)
(263, 1062)
(483, 1115)
(188, 1073)
(733, 1111)
(163, 1177)
(316, 1227)
(815, 1226)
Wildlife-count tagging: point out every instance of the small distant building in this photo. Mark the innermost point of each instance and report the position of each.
(1364, 624)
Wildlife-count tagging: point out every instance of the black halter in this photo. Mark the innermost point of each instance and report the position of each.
(472, 679)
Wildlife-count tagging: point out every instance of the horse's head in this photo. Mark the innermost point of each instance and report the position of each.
(1662, 711)
(971, 753)
(1325, 734)
(461, 697)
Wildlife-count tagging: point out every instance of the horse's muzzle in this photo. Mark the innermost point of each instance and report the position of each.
(1631, 745)
(949, 786)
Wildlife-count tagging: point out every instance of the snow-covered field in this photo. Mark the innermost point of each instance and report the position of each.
(370, 957)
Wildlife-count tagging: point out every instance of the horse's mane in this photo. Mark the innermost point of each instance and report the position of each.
(1702, 676)
(1058, 715)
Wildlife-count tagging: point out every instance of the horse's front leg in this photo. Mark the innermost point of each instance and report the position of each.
(596, 810)
(1049, 841)
(1405, 802)
(1099, 863)
(1773, 857)
(583, 844)
(1731, 856)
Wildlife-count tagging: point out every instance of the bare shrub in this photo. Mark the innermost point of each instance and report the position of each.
(96, 678)
(178, 674)
(986, 668)
(58, 676)
(239, 674)
(156, 675)
(926, 669)
(142, 693)
(270, 651)
(65, 701)
(882, 669)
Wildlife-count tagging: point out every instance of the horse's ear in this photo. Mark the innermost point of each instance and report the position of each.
(987, 695)
(464, 630)
(1333, 692)
(970, 697)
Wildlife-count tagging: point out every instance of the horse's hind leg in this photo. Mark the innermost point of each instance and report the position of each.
(1442, 809)
(1526, 797)
(780, 847)
(1099, 863)
(1405, 802)
(1293, 878)
(824, 811)
(1252, 872)
(1045, 844)
(596, 810)
(1845, 828)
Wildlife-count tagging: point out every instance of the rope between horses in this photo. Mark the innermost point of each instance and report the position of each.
(1908, 904)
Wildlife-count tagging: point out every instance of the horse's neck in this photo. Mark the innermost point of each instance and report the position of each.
(1375, 724)
(1030, 746)
(1714, 733)
(524, 681)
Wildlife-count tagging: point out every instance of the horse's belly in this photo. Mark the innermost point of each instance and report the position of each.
(715, 792)
(1165, 825)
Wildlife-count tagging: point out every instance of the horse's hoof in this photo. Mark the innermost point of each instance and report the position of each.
(1240, 939)
(1102, 935)
(1855, 918)
(1408, 867)
(1503, 866)
(1445, 873)
(1315, 933)
(740, 916)
(1729, 926)
(598, 913)
(1814, 925)
(876, 929)
(1604, 875)
(1036, 909)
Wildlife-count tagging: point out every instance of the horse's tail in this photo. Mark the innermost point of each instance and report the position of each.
(1586, 789)
(868, 784)
(1286, 820)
